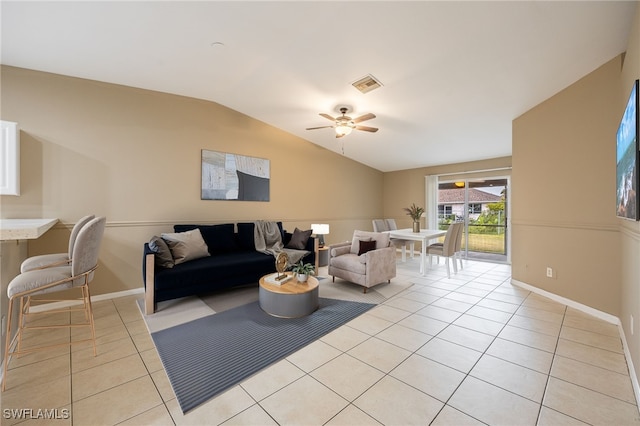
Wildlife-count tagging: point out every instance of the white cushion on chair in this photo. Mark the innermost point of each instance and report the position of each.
(349, 262)
(37, 262)
(56, 259)
(435, 249)
(32, 280)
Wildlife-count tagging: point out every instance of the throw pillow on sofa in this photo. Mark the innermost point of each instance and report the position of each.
(219, 238)
(186, 246)
(299, 239)
(246, 236)
(164, 258)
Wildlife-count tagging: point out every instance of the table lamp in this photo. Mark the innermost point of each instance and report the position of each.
(320, 229)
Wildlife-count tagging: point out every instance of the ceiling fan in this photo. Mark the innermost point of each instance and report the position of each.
(345, 124)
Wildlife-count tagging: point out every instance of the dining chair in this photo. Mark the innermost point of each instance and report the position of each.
(379, 225)
(55, 259)
(77, 275)
(445, 249)
(458, 248)
(391, 225)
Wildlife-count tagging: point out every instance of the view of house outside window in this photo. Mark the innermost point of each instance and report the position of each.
(481, 205)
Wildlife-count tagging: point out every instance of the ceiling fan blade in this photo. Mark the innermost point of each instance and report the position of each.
(338, 136)
(327, 116)
(364, 118)
(367, 128)
(321, 127)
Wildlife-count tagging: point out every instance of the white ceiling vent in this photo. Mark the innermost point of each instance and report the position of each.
(367, 84)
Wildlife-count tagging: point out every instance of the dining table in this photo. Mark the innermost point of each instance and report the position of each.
(423, 236)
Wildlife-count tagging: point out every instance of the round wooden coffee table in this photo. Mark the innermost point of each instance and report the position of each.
(292, 299)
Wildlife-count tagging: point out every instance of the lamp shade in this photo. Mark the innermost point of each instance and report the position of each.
(320, 228)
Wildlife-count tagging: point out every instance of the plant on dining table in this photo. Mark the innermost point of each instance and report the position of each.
(415, 212)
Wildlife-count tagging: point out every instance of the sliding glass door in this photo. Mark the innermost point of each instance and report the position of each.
(482, 205)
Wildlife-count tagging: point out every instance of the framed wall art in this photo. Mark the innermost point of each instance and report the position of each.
(628, 158)
(227, 176)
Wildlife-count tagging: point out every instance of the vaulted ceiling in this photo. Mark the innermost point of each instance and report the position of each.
(454, 74)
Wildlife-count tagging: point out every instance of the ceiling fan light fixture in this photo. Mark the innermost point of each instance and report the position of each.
(343, 129)
(344, 125)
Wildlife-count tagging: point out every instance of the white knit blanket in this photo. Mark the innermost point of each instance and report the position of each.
(268, 240)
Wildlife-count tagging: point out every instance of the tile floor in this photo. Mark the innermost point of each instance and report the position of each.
(468, 350)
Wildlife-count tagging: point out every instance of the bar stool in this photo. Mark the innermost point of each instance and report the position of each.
(55, 259)
(78, 274)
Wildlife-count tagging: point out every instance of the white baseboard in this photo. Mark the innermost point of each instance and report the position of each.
(598, 314)
(98, 298)
(632, 370)
(572, 303)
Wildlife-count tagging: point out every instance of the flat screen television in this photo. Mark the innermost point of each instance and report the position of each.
(627, 158)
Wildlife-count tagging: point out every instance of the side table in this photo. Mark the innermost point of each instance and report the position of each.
(289, 300)
(323, 256)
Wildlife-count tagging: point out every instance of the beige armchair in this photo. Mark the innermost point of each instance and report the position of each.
(367, 260)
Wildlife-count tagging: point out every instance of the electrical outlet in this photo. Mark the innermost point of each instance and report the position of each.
(631, 325)
(549, 272)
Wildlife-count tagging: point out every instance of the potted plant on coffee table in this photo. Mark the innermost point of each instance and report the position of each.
(416, 213)
(303, 270)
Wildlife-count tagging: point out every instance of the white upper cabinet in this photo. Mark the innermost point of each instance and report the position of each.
(10, 159)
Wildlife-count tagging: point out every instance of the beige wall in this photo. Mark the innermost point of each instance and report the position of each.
(564, 195)
(630, 231)
(134, 156)
(563, 192)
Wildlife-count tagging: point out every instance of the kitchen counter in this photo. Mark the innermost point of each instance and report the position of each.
(24, 229)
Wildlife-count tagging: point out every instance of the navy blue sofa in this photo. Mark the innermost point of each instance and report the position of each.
(234, 261)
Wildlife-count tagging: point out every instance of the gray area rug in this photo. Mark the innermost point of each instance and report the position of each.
(209, 355)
